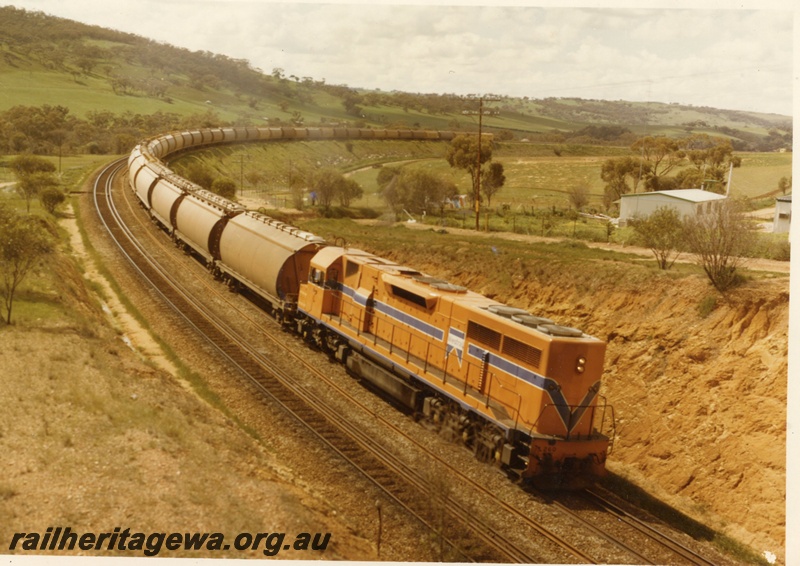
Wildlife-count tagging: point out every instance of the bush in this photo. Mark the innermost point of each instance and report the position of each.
(51, 198)
(225, 188)
(662, 234)
(707, 306)
(771, 246)
(720, 238)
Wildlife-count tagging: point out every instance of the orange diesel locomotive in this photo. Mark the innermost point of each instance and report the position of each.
(519, 389)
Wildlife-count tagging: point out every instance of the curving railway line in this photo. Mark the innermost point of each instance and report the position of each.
(468, 537)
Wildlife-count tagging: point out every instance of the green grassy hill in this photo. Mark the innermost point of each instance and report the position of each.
(49, 61)
(71, 89)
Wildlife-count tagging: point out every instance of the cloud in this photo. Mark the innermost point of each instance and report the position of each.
(694, 56)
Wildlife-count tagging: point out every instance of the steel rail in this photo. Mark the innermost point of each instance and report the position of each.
(647, 530)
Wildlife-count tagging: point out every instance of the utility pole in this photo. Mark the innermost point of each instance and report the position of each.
(478, 168)
(242, 158)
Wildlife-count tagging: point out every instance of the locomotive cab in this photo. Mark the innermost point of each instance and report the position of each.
(321, 294)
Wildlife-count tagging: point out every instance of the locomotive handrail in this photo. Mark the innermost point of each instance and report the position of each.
(612, 433)
(515, 412)
(518, 410)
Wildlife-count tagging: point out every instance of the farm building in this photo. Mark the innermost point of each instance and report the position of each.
(688, 202)
(783, 214)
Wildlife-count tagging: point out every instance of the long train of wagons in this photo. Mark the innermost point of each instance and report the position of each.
(519, 389)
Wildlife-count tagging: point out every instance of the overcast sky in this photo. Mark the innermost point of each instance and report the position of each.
(736, 55)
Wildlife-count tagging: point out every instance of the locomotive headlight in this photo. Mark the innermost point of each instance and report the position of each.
(580, 367)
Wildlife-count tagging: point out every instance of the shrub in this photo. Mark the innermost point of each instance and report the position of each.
(51, 198)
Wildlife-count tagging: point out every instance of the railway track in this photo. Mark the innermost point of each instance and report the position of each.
(400, 482)
(670, 544)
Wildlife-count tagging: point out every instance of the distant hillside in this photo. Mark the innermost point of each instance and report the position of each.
(99, 89)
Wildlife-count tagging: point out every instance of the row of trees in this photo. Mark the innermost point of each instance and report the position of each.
(403, 188)
(325, 186)
(709, 161)
(126, 60)
(53, 130)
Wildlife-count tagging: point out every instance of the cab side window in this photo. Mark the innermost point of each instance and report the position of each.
(317, 276)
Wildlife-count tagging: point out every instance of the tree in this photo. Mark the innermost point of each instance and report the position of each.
(326, 183)
(784, 184)
(418, 191)
(492, 181)
(711, 158)
(348, 191)
(466, 153)
(663, 154)
(24, 240)
(662, 233)
(33, 175)
(51, 198)
(617, 173)
(720, 238)
(386, 174)
(199, 174)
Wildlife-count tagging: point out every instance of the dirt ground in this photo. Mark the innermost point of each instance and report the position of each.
(99, 430)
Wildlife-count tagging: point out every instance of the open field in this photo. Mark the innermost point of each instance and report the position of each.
(536, 178)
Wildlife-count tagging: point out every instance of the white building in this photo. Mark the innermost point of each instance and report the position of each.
(783, 214)
(688, 202)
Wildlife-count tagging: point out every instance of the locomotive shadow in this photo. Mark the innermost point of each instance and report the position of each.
(637, 497)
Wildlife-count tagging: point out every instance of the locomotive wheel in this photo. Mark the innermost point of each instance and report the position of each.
(488, 444)
(482, 452)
